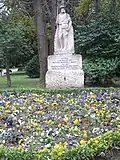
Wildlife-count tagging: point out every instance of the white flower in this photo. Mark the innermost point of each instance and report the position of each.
(92, 116)
(96, 131)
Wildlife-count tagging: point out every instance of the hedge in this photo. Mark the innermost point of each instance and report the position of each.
(57, 91)
(84, 151)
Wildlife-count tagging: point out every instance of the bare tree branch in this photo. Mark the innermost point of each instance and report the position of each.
(68, 1)
(47, 7)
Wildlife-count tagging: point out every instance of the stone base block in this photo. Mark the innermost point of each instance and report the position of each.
(64, 71)
(62, 79)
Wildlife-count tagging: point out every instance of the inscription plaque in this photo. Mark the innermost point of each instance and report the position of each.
(63, 63)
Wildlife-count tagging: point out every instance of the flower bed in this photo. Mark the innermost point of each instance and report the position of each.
(59, 123)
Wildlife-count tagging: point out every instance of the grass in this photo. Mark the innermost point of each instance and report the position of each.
(20, 80)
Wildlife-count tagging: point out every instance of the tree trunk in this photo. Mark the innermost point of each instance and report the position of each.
(53, 24)
(113, 6)
(41, 40)
(8, 73)
(97, 7)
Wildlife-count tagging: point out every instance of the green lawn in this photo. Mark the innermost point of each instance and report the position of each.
(19, 81)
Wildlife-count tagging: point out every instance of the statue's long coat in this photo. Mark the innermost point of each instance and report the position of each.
(63, 23)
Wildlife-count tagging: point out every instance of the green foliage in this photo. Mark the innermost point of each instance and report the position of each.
(10, 38)
(93, 147)
(16, 154)
(33, 67)
(82, 7)
(99, 37)
(29, 41)
(17, 42)
(99, 43)
(56, 91)
(100, 70)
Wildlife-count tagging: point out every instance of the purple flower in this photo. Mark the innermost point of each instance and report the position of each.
(46, 127)
(109, 127)
(70, 144)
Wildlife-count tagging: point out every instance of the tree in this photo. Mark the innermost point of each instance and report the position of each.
(97, 7)
(113, 6)
(41, 39)
(11, 40)
(52, 21)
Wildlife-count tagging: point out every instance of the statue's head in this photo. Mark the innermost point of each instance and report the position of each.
(62, 9)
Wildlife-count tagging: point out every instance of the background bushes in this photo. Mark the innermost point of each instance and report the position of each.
(100, 71)
(98, 41)
(33, 68)
(97, 147)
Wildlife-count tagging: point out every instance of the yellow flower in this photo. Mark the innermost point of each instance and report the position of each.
(92, 96)
(7, 111)
(45, 149)
(107, 116)
(5, 125)
(76, 121)
(59, 149)
(85, 135)
(38, 112)
(118, 126)
(54, 104)
(91, 140)
(20, 141)
(36, 99)
(65, 119)
(85, 132)
(82, 142)
(50, 122)
(60, 154)
(13, 108)
(96, 141)
(7, 104)
(34, 124)
(38, 128)
(41, 100)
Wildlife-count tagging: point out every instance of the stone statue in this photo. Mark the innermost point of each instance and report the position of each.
(64, 36)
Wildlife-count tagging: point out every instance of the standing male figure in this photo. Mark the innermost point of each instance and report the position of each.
(64, 36)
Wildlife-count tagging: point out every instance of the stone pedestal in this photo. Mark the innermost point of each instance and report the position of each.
(64, 71)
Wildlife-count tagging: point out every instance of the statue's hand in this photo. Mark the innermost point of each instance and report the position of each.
(68, 29)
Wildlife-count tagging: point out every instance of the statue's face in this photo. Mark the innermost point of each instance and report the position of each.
(62, 10)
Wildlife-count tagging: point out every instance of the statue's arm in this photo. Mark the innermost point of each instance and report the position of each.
(69, 22)
(57, 22)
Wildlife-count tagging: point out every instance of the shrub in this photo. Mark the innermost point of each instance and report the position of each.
(33, 68)
(99, 43)
(94, 147)
(99, 37)
(100, 70)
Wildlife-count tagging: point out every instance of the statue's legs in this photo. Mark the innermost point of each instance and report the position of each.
(60, 37)
(61, 42)
(65, 42)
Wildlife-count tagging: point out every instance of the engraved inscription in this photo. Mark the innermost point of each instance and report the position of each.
(65, 63)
